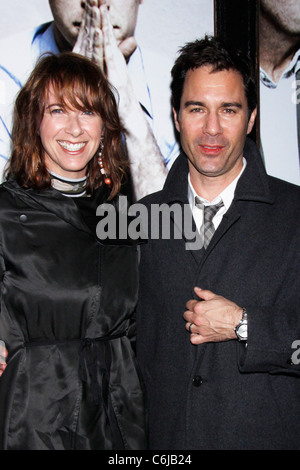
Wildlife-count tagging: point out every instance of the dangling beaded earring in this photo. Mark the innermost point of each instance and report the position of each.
(107, 180)
(37, 169)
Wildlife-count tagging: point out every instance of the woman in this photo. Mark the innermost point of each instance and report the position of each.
(67, 299)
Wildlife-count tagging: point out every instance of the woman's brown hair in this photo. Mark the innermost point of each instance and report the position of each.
(78, 83)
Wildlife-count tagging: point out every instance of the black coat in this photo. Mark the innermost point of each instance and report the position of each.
(67, 305)
(223, 395)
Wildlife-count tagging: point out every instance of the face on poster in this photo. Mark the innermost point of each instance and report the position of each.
(163, 25)
(68, 15)
(279, 55)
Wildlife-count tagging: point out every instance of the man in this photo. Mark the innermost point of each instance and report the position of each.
(104, 31)
(279, 55)
(228, 378)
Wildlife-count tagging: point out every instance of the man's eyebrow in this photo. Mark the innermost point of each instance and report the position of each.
(231, 104)
(193, 103)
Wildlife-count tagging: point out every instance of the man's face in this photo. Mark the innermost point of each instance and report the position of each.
(284, 13)
(213, 122)
(123, 16)
(68, 14)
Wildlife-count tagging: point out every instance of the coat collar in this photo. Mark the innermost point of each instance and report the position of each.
(253, 185)
(52, 201)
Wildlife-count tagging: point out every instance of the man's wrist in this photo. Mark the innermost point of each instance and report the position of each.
(241, 329)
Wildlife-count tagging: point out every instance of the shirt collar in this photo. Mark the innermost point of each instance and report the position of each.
(44, 40)
(226, 195)
(291, 69)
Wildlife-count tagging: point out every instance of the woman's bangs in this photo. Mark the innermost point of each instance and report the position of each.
(75, 94)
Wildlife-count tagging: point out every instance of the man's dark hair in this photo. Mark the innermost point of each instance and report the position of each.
(212, 51)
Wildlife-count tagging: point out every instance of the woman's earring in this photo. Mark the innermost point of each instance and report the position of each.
(107, 180)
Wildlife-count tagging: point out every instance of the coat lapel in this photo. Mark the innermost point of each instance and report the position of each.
(176, 192)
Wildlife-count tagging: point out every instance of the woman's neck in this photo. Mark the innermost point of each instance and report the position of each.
(68, 186)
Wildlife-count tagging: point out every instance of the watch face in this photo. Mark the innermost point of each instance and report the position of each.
(242, 331)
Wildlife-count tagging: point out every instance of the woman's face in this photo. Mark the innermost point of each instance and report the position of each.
(70, 138)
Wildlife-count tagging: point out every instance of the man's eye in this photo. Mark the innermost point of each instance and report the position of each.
(229, 111)
(196, 110)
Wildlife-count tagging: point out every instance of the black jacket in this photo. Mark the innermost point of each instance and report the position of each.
(223, 395)
(67, 304)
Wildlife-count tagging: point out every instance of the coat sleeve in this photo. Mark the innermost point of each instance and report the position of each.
(274, 330)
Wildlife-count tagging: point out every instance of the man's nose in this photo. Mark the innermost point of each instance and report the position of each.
(212, 124)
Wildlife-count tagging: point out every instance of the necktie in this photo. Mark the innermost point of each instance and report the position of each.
(207, 228)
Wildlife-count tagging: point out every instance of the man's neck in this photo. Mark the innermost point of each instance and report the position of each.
(209, 187)
(276, 49)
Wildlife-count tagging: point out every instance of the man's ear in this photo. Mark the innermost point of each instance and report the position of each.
(176, 120)
(251, 120)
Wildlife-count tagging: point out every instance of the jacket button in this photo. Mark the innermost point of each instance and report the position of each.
(197, 381)
(23, 218)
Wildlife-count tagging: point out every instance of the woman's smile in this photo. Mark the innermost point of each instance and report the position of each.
(72, 147)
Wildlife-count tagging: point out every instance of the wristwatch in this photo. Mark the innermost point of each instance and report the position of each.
(241, 330)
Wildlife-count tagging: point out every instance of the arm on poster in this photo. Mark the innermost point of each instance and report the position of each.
(97, 41)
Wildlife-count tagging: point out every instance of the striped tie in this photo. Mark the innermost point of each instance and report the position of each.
(207, 228)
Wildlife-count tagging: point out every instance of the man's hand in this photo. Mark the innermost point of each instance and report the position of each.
(128, 45)
(94, 30)
(89, 41)
(96, 41)
(115, 64)
(213, 318)
(146, 161)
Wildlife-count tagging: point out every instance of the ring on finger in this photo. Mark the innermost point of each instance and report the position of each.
(190, 327)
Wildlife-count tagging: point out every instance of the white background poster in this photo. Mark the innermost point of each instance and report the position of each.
(162, 24)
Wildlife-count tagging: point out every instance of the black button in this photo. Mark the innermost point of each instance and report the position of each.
(197, 380)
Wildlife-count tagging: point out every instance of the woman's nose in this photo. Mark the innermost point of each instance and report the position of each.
(73, 126)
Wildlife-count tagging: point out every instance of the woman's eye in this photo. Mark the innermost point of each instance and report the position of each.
(57, 111)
